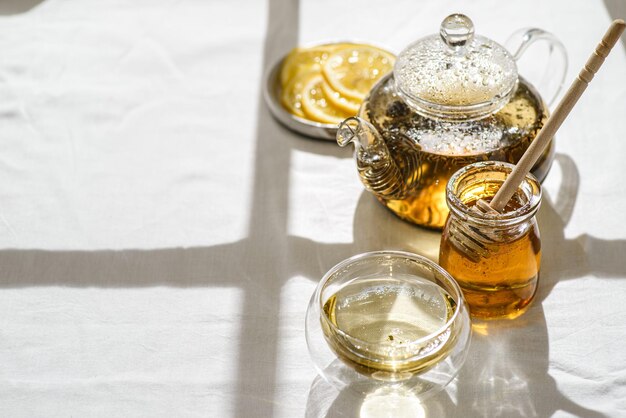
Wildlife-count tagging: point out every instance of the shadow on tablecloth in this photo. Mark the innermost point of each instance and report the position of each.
(14, 7)
(617, 10)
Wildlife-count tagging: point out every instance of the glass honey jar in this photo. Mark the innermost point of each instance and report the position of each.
(494, 258)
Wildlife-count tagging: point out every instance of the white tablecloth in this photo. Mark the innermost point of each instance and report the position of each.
(161, 233)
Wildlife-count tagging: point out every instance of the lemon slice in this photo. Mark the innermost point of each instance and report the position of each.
(340, 102)
(291, 95)
(304, 60)
(316, 106)
(352, 72)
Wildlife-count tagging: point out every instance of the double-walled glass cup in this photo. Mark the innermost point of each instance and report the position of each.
(494, 258)
(388, 320)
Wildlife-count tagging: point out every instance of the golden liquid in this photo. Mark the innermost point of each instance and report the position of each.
(502, 285)
(374, 325)
(404, 131)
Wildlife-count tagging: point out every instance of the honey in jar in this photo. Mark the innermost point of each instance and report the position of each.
(494, 258)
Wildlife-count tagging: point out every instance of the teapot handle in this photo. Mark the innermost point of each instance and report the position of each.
(551, 81)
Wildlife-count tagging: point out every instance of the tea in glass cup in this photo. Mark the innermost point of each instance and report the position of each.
(388, 317)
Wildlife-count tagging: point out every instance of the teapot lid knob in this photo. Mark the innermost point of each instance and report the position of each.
(457, 30)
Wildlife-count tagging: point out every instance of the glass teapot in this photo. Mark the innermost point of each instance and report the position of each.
(452, 99)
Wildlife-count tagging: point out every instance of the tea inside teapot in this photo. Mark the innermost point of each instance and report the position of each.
(439, 111)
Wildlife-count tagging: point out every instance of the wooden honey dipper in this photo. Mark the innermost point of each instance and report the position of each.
(536, 148)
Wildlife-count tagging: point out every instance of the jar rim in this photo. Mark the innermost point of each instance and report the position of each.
(530, 188)
(421, 260)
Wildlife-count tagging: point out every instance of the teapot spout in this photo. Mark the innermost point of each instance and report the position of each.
(378, 170)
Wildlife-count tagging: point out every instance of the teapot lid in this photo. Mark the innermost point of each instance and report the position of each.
(455, 75)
